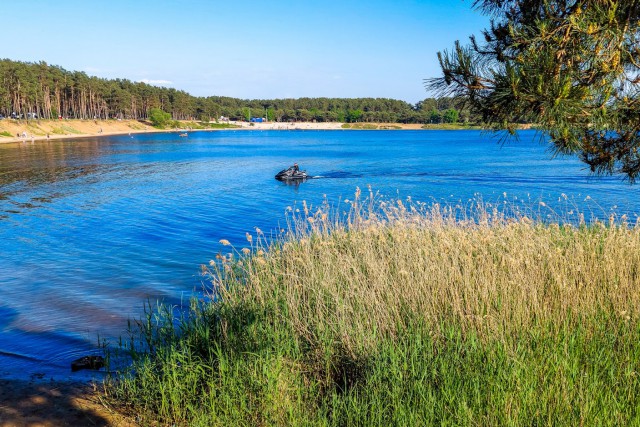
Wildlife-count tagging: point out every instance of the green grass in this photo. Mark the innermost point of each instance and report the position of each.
(404, 315)
(137, 126)
(437, 126)
(206, 125)
(195, 125)
(361, 126)
(201, 125)
(63, 130)
(5, 133)
(451, 126)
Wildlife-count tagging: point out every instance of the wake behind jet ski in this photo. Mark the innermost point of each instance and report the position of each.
(292, 173)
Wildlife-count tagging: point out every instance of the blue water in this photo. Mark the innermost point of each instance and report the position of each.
(92, 229)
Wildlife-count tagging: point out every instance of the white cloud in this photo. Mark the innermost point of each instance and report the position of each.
(157, 82)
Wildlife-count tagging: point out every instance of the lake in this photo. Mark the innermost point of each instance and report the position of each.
(92, 229)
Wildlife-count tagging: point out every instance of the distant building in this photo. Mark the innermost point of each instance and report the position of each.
(257, 120)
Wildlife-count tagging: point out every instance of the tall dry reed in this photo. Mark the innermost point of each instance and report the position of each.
(377, 312)
(392, 264)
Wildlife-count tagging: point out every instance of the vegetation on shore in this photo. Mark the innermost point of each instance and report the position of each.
(370, 126)
(453, 126)
(398, 313)
(49, 91)
(162, 120)
(429, 126)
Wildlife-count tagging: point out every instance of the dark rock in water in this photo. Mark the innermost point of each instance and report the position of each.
(87, 362)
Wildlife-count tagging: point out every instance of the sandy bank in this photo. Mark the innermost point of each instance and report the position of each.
(28, 130)
(38, 130)
(328, 126)
(289, 126)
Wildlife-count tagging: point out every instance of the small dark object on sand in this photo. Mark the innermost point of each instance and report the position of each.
(87, 362)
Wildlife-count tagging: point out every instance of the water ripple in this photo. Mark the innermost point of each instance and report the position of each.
(92, 229)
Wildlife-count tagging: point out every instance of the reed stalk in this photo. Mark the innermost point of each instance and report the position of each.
(382, 312)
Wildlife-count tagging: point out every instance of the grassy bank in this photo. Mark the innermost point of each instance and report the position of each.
(452, 126)
(401, 314)
(196, 125)
(398, 126)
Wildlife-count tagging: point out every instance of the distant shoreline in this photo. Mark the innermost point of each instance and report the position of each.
(44, 130)
(12, 131)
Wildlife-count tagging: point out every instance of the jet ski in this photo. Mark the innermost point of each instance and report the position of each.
(291, 174)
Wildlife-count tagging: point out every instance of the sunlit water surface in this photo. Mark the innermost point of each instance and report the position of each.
(92, 229)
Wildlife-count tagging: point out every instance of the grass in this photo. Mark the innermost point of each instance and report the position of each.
(398, 313)
(137, 126)
(194, 125)
(64, 130)
(218, 125)
(437, 126)
(5, 133)
(451, 126)
(361, 126)
(369, 126)
(208, 125)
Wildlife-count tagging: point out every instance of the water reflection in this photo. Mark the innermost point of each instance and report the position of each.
(293, 183)
(27, 166)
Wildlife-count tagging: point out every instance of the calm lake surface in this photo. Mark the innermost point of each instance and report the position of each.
(92, 229)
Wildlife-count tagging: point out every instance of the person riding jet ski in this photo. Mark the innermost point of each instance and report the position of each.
(292, 172)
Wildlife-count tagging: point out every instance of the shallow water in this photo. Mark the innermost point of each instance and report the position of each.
(92, 229)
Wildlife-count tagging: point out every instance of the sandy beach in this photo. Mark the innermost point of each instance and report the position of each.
(42, 130)
(39, 130)
(328, 126)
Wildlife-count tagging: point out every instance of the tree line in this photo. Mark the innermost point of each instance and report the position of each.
(48, 91)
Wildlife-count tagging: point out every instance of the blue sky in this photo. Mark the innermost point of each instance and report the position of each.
(250, 49)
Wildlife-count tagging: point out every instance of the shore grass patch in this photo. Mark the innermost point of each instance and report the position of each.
(64, 130)
(396, 312)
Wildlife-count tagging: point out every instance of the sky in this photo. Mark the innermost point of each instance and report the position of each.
(249, 49)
